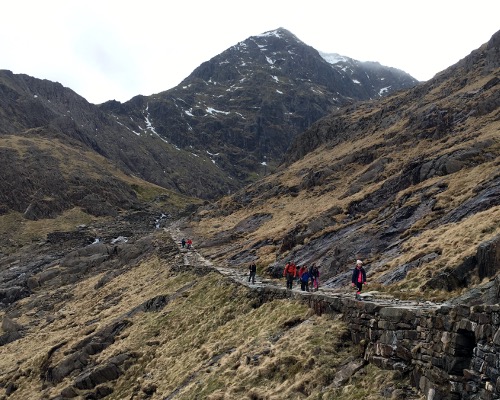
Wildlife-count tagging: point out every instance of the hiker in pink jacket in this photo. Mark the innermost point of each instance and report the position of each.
(358, 277)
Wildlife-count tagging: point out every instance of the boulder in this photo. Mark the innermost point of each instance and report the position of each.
(345, 373)
(12, 294)
(103, 373)
(9, 325)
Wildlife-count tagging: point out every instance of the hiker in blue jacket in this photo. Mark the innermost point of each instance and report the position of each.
(304, 280)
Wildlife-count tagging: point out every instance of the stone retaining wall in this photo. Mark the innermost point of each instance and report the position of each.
(450, 352)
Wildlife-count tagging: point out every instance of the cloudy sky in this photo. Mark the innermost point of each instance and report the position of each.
(116, 49)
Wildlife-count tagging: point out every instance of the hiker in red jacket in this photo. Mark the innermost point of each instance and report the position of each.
(290, 272)
(358, 277)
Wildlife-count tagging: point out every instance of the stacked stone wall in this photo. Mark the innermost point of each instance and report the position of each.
(449, 352)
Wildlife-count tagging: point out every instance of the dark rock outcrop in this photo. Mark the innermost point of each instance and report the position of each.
(80, 356)
(109, 371)
(488, 258)
(485, 264)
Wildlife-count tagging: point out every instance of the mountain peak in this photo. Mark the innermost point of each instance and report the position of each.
(281, 33)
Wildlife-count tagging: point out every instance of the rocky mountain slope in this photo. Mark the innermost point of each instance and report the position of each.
(51, 133)
(408, 183)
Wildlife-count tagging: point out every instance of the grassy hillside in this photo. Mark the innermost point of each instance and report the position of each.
(186, 333)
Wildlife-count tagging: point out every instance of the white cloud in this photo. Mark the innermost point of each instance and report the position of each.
(115, 50)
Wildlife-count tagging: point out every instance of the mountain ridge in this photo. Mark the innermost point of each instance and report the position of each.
(242, 95)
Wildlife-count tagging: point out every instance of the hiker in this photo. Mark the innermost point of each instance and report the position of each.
(289, 272)
(301, 272)
(189, 243)
(252, 271)
(183, 243)
(358, 277)
(304, 280)
(311, 276)
(315, 277)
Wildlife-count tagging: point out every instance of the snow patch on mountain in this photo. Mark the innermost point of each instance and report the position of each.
(384, 90)
(211, 110)
(274, 33)
(333, 58)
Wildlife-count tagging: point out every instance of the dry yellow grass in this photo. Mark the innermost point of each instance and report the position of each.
(209, 341)
(17, 231)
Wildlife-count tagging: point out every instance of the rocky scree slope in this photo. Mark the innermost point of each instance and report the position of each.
(409, 184)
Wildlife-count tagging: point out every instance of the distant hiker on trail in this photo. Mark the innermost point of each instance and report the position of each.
(189, 243)
(304, 280)
(358, 277)
(252, 271)
(183, 243)
(315, 277)
(289, 273)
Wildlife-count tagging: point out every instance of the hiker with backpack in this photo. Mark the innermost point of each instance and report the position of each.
(358, 278)
(290, 272)
(304, 280)
(302, 269)
(314, 277)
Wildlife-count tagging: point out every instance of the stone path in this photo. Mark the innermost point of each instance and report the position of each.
(193, 257)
